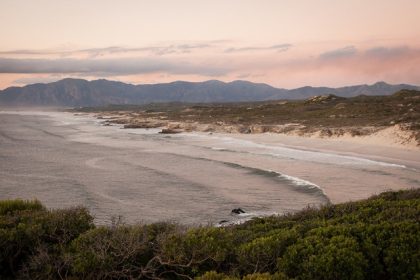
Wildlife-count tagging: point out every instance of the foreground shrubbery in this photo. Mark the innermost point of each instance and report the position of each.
(378, 238)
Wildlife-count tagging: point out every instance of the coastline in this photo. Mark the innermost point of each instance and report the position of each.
(398, 155)
(396, 135)
(263, 173)
(391, 145)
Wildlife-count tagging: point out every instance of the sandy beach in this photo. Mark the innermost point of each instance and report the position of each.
(393, 146)
(376, 148)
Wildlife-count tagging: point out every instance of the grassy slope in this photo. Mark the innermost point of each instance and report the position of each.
(377, 238)
(330, 111)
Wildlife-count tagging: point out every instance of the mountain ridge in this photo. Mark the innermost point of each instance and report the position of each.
(72, 92)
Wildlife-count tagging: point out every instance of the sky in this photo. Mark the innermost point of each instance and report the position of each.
(284, 43)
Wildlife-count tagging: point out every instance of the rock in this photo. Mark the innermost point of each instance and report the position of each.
(326, 132)
(137, 125)
(170, 131)
(323, 98)
(244, 130)
(238, 211)
(340, 106)
(174, 126)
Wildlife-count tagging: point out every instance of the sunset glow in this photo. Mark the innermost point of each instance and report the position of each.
(283, 43)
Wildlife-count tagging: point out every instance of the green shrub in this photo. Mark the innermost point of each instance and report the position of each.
(109, 252)
(11, 206)
(24, 232)
(265, 276)
(122, 252)
(260, 255)
(316, 257)
(197, 250)
(375, 238)
(213, 275)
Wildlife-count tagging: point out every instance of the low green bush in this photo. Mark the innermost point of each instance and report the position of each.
(27, 229)
(15, 205)
(260, 254)
(377, 238)
(198, 249)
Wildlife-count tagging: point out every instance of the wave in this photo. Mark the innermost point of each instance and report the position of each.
(295, 182)
(292, 153)
(244, 217)
(219, 149)
(301, 182)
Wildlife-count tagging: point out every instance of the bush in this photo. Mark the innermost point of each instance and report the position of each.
(265, 276)
(27, 228)
(375, 238)
(8, 207)
(260, 255)
(213, 275)
(317, 258)
(122, 252)
(197, 250)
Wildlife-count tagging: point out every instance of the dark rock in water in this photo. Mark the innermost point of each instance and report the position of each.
(170, 131)
(238, 211)
(223, 221)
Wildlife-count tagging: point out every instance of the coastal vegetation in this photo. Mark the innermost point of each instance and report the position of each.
(327, 115)
(376, 238)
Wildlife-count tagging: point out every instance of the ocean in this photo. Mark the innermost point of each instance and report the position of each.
(142, 176)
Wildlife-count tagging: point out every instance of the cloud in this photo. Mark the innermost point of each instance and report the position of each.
(339, 53)
(384, 52)
(95, 52)
(340, 66)
(350, 66)
(279, 48)
(157, 50)
(107, 67)
(34, 80)
(350, 53)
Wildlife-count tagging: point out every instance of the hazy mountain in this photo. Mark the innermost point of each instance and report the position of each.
(379, 88)
(78, 92)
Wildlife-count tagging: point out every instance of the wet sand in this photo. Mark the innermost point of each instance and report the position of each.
(407, 177)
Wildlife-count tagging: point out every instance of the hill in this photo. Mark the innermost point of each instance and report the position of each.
(321, 116)
(78, 92)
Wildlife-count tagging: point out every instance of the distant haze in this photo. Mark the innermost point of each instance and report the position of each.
(285, 44)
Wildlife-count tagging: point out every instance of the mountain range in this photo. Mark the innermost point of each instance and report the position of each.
(79, 92)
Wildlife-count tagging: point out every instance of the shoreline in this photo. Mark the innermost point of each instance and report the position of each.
(393, 156)
(379, 146)
(396, 136)
(327, 148)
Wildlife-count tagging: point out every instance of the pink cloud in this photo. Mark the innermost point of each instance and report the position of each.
(299, 66)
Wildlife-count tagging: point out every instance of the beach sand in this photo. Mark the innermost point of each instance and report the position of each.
(378, 147)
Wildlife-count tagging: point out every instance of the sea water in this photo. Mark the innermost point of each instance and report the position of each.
(141, 175)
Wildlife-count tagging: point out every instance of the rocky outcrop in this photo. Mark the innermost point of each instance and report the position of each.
(170, 131)
(238, 211)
